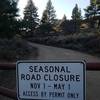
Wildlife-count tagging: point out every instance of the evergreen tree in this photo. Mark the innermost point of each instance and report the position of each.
(62, 24)
(92, 1)
(31, 19)
(44, 17)
(98, 5)
(92, 13)
(64, 19)
(50, 12)
(76, 17)
(45, 26)
(93, 9)
(76, 13)
(8, 14)
(48, 18)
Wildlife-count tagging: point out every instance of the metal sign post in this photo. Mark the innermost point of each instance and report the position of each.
(40, 80)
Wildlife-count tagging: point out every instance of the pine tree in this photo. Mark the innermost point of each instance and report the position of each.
(48, 19)
(92, 1)
(76, 13)
(92, 13)
(45, 26)
(44, 17)
(76, 17)
(31, 19)
(93, 9)
(62, 24)
(64, 19)
(50, 12)
(8, 22)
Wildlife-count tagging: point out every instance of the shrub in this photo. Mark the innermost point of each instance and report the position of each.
(15, 49)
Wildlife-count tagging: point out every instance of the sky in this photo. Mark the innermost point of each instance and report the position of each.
(61, 6)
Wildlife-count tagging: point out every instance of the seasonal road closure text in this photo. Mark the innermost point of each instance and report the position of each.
(54, 81)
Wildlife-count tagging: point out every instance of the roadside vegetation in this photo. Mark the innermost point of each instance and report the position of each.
(15, 49)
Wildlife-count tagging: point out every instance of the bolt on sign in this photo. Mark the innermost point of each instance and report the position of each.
(50, 80)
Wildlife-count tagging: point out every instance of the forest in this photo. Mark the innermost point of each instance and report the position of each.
(81, 33)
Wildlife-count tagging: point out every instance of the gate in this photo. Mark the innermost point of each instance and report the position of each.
(12, 66)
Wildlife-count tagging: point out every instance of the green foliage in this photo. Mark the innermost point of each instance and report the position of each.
(93, 9)
(31, 19)
(8, 22)
(76, 13)
(62, 24)
(93, 1)
(15, 49)
(92, 13)
(51, 16)
(64, 19)
(45, 26)
(44, 17)
(48, 19)
(76, 17)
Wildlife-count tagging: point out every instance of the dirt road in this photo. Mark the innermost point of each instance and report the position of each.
(53, 53)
